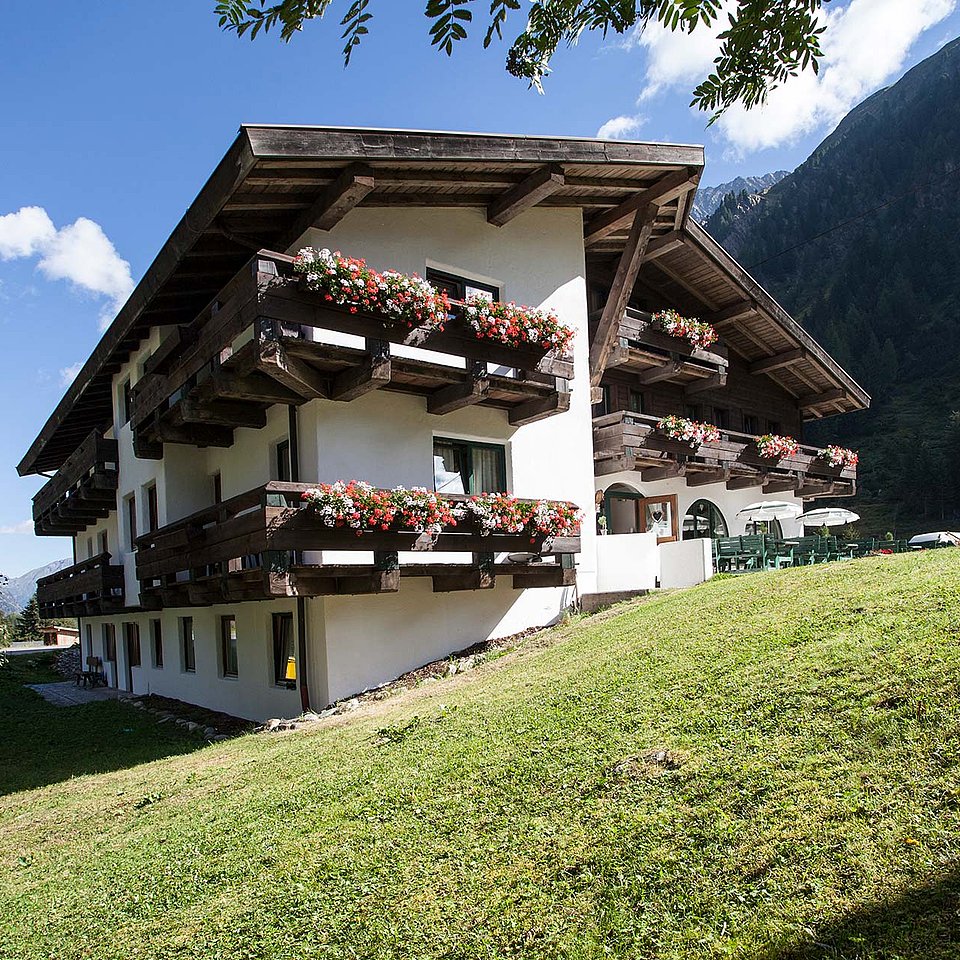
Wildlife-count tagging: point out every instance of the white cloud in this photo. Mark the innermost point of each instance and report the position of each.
(80, 253)
(24, 526)
(618, 128)
(69, 374)
(24, 233)
(865, 45)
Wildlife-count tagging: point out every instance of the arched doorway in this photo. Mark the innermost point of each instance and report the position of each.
(704, 520)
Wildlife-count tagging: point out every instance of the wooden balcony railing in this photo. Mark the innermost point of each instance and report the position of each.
(87, 589)
(253, 346)
(653, 355)
(253, 546)
(631, 441)
(81, 492)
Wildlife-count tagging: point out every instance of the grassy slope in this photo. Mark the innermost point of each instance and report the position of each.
(816, 813)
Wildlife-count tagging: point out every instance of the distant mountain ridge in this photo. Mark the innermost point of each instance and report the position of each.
(860, 243)
(15, 594)
(708, 199)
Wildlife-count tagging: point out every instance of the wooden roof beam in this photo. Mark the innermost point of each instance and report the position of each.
(334, 203)
(663, 191)
(812, 401)
(769, 364)
(731, 314)
(663, 245)
(528, 193)
(607, 331)
(716, 381)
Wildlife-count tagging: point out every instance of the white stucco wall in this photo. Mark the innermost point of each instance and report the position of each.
(387, 439)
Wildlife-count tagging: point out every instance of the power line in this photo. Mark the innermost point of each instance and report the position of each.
(853, 219)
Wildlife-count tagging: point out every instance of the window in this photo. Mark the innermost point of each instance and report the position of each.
(188, 651)
(89, 547)
(721, 418)
(751, 424)
(132, 522)
(773, 426)
(703, 519)
(156, 644)
(217, 488)
(153, 509)
(282, 462)
(459, 288)
(284, 657)
(460, 466)
(659, 515)
(692, 411)
(88, 630)
(125, 404)
(635, 401)
(103, 542)
(228, 646)
(109, 643)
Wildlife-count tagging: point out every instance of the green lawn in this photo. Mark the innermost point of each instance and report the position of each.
(762, 767)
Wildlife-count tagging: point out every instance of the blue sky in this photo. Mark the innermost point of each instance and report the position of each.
(116, 113)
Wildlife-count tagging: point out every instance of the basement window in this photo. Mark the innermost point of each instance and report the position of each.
(462, 466)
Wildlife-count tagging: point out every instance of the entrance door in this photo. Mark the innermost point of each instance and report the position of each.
(110, 652)
(131, 637)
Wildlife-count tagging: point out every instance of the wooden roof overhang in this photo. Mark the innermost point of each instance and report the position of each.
(275, 181)
(692, 272)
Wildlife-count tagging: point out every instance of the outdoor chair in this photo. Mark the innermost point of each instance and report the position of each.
(805, 552)
(753, 551)
(779, 554)
(93, 676)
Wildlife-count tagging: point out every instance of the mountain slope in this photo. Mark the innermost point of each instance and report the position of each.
(766, 766)
(15, 594)
(709, 198)
(882, 289)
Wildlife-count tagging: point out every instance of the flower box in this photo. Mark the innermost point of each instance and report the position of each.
(410, 303)
(363, 508)
(841, 457)
(697, 333)
(772, 447)
(690, 432)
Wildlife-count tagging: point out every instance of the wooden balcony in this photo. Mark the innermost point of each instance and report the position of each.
(252, 547)
(87, 589)
(81, 492)
(653, 356)
(260, 343)
(631, 441)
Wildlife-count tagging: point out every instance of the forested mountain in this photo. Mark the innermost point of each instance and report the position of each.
(861, 244)
(709, 198)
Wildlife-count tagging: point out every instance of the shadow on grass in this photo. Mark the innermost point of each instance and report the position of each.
(921, 922)
(41, 744)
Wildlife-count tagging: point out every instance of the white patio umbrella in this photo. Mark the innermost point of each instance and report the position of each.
(829, 517)
(766, 510)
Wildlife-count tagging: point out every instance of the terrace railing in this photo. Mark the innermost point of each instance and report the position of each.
(261, 342)
(88, 588)
(631, 441)
(654, 356)
(267, 543)
(82, 491)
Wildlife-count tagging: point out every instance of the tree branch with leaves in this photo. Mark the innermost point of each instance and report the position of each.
(764, 42)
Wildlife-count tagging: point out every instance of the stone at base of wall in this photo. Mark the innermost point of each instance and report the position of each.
(592, 602)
